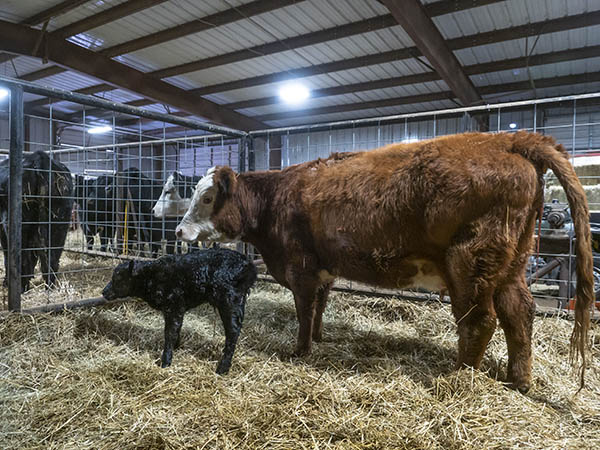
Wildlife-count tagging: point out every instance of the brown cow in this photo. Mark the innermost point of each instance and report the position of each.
(456, 212)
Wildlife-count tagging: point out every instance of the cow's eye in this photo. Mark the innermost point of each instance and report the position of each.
(206, 200)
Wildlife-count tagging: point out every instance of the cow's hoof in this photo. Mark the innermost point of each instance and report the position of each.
(522, 387)
(301, 352)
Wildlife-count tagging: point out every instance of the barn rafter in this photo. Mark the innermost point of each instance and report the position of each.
(413, 18)
(228, 16)
(21, 40)
(44, 16)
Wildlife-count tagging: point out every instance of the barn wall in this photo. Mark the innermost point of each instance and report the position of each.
(300, 147)
(197, 159)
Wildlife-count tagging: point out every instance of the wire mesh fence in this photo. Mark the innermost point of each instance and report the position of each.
(97, 186)
(574, 121)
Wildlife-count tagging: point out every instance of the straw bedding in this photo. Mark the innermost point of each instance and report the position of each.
(382, 378)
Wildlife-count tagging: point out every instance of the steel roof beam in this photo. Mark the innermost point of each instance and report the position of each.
(317, 37)
(20, 39)
(413, 18)
(107, 16)
(45, 15)
(194, 26)
(52, 12)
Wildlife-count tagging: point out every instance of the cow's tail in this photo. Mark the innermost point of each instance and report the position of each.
(545, 153)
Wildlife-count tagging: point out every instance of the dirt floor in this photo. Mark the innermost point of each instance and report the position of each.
(382, 378)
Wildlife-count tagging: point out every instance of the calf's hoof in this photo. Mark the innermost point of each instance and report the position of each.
(223, 368)
(165, 361)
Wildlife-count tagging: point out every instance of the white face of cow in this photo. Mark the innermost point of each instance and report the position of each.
(170, 203)
(196, 224)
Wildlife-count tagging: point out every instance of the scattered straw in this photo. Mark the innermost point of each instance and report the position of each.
(382, 378)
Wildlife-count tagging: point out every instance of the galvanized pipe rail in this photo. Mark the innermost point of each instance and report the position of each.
(442, 112)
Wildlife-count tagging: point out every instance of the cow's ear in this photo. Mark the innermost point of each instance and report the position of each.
(225, 180)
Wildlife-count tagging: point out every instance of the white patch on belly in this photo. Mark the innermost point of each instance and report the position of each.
(427, 277)
(325, 276)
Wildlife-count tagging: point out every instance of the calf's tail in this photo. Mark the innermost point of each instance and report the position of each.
(545, 153)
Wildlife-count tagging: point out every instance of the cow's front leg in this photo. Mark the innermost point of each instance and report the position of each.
(305, 291)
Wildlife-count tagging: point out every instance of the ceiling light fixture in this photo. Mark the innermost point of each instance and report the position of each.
(512, 125)
(294, 93)
(3, 93)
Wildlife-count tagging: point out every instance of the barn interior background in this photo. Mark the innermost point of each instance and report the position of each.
(120, 94)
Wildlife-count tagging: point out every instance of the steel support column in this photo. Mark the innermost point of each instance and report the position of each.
(15, 189)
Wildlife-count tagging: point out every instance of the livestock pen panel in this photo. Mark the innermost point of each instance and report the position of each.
(573, 121)
(91, 179)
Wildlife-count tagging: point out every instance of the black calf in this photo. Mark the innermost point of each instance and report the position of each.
(174, 284)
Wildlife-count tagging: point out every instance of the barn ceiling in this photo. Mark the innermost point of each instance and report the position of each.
(225, 60)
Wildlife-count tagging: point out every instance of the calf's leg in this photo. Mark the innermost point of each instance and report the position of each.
(232, 315)
(516, 309)
(173, 323)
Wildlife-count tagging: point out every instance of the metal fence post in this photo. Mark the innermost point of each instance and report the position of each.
(251, 154)
(15, 188)
(242, 153)
(243, 145)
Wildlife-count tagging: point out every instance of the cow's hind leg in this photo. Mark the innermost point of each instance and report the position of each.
(516, 308)
(476, 321)
(473, 270)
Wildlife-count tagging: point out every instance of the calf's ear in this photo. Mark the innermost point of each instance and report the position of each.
(225, 180)
(135, 267)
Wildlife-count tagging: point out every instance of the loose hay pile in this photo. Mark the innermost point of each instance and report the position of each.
(382, 378)
(80, 276)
